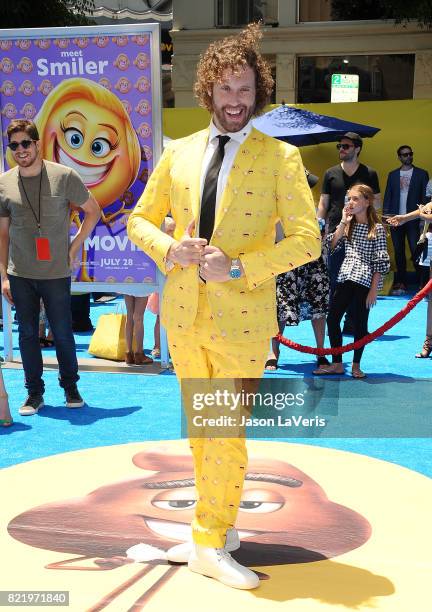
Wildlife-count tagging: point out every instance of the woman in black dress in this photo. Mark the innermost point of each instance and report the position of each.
(302, 295)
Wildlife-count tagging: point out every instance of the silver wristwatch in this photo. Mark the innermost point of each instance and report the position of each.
(235, 270)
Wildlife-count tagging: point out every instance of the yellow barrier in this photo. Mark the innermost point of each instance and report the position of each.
(400, 122)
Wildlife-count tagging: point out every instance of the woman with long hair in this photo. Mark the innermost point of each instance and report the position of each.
(361, 274)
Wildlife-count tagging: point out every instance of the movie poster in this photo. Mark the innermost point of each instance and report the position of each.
(94, 94)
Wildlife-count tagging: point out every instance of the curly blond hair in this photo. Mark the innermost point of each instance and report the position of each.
(235, 52)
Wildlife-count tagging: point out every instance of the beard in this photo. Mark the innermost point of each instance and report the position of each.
(25, 162)
(235, 123)
(30, 158)
(347, 156)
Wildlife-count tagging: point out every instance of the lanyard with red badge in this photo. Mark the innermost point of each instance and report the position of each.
(43, 251)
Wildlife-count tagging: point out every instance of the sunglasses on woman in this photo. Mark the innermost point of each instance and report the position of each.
(13, 146)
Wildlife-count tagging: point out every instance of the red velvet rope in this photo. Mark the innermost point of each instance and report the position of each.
(366, 339)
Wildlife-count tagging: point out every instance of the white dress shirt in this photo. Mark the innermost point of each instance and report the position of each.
(231, 148)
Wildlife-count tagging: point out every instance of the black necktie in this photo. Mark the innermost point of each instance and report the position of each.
(208, 200)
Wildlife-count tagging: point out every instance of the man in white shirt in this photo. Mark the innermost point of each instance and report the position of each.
(226, 187)
(405, 179)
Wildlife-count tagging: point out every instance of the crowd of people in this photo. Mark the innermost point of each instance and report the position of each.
(225, 188)
(354, 260)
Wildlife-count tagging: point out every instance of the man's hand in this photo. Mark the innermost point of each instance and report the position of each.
(215, 265)
(189, 250)
(74, 260)
(5, 287)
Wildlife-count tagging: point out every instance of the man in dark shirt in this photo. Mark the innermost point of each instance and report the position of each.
(337, 180)
(405, 189)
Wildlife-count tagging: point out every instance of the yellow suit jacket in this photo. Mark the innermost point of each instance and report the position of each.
(267, 183)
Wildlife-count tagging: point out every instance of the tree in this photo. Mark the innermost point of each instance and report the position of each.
(401, 11)
(46, 13)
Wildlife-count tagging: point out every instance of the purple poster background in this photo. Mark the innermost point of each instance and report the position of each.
(31, 68)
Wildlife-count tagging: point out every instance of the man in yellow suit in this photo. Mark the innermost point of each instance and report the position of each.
(226, 187)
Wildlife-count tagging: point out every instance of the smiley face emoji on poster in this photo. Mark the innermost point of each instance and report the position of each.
(6, 65)
(9, 111)
(25, 65)
(8, 88)
(101, 41)
(28, 111)
(23, 44)
(84, 126)
(43, 43)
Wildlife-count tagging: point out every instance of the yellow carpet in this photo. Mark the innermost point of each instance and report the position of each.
(82, 510)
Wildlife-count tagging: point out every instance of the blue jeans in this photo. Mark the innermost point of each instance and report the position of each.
(55, 293)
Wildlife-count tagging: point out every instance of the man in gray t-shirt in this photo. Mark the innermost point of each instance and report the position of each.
(36, 257)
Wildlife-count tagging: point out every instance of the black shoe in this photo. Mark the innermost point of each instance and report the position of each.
(31, 405)
(73, 398)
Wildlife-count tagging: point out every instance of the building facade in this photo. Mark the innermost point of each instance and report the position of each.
(131, 11)
(305, 47)
(143, 11)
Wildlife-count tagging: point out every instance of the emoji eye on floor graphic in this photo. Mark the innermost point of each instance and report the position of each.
(318, 525)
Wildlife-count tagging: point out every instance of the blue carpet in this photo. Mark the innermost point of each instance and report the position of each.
(126, 408)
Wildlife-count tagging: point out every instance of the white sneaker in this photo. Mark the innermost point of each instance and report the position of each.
(217, 563)
(181, 552)
(31, 405)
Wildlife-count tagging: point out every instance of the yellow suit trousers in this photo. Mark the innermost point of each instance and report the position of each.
(220, 463)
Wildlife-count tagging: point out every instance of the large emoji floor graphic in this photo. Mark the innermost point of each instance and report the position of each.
(325, 530)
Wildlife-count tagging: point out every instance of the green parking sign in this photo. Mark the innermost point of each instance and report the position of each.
(344, 87)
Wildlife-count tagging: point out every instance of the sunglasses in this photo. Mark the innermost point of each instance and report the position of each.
(13, 146)
(406, 154)
(344, 146)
